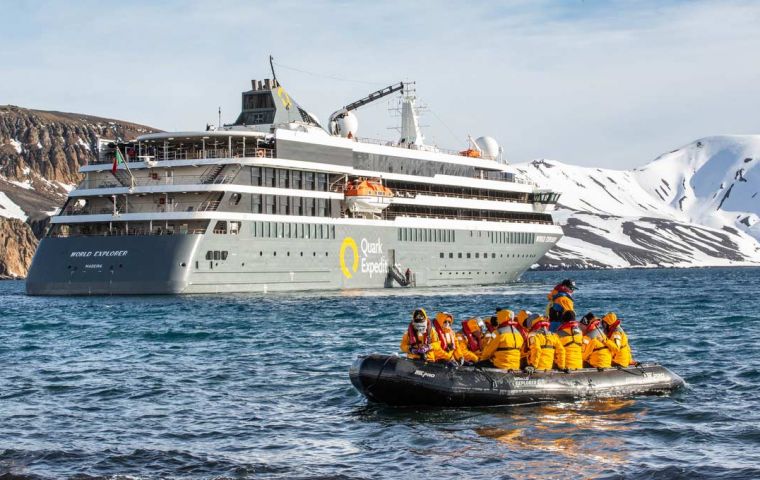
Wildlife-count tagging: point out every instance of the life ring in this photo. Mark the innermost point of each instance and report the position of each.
(260, 152)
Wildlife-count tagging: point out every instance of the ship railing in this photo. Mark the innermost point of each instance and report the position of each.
(147, 207)
(120, 232)
(179, 152)
(164, 180)
(392, 216)
(410, 193)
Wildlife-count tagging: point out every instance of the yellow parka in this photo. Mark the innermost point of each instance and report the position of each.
(572, 339)
(545, 350)
(597, 348)
(623, 357)
(435, 345)
(463, 352)
(505, 348)
(447, 340)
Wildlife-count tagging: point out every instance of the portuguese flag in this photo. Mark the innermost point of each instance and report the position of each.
(117, 160)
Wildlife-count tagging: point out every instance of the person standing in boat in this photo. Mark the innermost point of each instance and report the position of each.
(544, 348)
(623, 357)
(571, 337)
(505, 348)
(420, 341)
(598, 350)
(560, 301)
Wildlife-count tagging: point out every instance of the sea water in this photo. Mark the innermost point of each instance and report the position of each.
(237, 386)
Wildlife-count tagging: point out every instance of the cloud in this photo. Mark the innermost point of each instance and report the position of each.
(593, 83)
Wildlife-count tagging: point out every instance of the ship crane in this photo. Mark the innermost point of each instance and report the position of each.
(344, 123)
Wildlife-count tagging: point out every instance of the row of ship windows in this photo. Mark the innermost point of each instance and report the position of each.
(283, 178)
(485, 255)
(512, 237)
(425, 235)
(292, 230)
(282, 205)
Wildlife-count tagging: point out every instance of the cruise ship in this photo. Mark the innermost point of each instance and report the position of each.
(277, 202)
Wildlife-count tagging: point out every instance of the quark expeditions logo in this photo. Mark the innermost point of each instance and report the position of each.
(367, 257)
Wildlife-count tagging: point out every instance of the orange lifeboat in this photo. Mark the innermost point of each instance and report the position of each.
(470, 153)
(367, 196)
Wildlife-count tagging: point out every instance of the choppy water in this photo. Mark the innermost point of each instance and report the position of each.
(257, 386)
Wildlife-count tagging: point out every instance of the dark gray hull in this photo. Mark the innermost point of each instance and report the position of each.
(344, 257)
(118, 265)
(399, 381)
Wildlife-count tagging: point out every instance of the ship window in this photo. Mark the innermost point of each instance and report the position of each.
(451, 255)
(268, 204)
(460, 254)
(332, 231)
(493, 255)
(224, 254)
(209, 255)
(477, 255)
(234, 228)
(308, 180)
(217, 255)
(441, 254)
(274, 254)
(469, 255)
(268, 177)
(282, 178)
(221, 227)
(322, 182)
(235, 198)
(295, 179)
(485, 255)
(282, 205)
(256, 176)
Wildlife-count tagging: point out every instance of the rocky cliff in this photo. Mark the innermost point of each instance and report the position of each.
(40, 156)
(17, 245)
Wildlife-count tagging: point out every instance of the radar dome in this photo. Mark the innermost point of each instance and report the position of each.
(489, 147)
(347, 123)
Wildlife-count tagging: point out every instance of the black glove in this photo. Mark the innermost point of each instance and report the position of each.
(566, 370)
(600, 369)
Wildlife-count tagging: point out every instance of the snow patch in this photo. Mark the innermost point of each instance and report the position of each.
(17, 145)
(8, 209)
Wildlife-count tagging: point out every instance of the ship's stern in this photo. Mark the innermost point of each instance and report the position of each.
(112, 265)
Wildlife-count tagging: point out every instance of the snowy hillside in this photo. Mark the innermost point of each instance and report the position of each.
(615, 218)
(713, 181)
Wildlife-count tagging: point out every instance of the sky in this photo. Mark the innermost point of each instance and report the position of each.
(609, 84)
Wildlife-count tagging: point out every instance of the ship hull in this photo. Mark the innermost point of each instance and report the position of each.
(277, 256)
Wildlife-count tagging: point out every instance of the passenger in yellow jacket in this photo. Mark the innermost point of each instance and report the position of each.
(470, 340)
(571, 337)
(623, 357)
(544, 348)
(446, 337)
(420, 340)
(560, 301)
(598, 350)
(505, 348)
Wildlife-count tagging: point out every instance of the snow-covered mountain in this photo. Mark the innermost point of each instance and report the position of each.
(713, 181)
(695, 206)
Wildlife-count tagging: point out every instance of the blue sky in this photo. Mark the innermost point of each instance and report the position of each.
(608, 84)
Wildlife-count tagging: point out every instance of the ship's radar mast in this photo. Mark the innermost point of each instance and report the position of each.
(410, 124)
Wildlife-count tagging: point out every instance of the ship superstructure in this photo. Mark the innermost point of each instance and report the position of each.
(276, 202)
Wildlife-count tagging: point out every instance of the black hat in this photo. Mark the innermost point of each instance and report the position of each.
(587, 318)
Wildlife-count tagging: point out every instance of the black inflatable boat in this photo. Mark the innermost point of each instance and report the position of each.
(400, 381)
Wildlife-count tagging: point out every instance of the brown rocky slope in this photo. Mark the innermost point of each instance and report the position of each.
(40, 156)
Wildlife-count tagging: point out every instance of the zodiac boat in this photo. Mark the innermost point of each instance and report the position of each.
(395, 380)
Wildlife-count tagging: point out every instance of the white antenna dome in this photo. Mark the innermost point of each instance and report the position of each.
(347, 123)
(489, 147)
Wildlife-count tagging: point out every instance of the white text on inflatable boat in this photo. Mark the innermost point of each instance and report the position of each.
(422, 374)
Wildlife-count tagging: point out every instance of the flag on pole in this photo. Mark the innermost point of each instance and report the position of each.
(117, 160)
